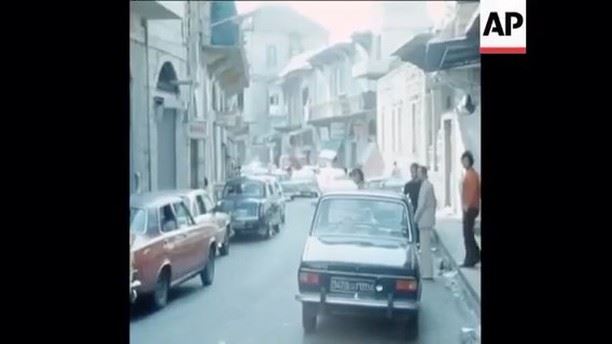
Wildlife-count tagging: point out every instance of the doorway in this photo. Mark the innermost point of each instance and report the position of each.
(194, 163)
(166, 150)
(448, 161)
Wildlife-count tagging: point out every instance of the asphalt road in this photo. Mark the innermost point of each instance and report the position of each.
(252, 301)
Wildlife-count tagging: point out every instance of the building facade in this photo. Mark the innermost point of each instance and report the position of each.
(172, 131)
(273, 34)
(449, 62)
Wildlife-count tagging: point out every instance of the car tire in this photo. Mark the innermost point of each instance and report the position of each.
(208, 274)
(412, 327)
(269, 232)
(162, 288)
(309, 317)
(225, 248)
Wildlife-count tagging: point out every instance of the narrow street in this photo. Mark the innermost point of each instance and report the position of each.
(252, 301)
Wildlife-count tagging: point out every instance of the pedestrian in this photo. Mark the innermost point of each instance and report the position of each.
(358, 177)
(471, 208)
(205, 183)
(425, 217)
(411, 189)
(396, 173)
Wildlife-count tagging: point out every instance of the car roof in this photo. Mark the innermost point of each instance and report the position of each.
(365, 193)
(262, 179)
(154, 199)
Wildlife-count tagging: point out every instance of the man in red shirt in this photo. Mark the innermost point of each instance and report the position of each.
(470, 200)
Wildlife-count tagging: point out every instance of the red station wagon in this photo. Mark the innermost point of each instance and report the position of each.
(169, 248)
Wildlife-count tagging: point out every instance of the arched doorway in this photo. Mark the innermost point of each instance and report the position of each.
(166, 128)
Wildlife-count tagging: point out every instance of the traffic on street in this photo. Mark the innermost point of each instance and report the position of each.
(304, 172)
(253, 300)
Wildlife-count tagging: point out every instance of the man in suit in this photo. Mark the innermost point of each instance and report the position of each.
(412, 190)
(425, 217)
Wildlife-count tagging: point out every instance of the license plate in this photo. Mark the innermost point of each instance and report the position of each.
(350, 285)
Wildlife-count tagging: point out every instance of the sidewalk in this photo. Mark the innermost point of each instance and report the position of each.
(450, 233)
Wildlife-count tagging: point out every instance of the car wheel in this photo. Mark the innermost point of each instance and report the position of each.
(208, 274)
(412, 327)
(269, 231)
(225, 248)
(160, 295)
(309, 317)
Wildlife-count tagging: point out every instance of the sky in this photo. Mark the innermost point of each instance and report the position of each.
(340, 18)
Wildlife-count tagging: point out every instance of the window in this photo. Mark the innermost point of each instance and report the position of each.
(137, 220)
(393, 128)
(246, 188)
(168, 219)
(271, 56)
(274, 99)
(182, 215)
(362, 218)
(201, 207)
(208, 203)
(152, 221)
(414, 143)
(399, 128)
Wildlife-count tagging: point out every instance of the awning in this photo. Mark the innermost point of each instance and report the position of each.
(156, 9)
(433, 54)
(415, 50)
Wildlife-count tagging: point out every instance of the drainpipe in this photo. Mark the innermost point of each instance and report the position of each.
(148, 95)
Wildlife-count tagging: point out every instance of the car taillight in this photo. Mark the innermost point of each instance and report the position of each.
(406, 285)
(310, 278)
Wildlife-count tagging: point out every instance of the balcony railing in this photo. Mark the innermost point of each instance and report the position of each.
(344, 106)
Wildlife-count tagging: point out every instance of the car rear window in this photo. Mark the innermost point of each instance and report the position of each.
(362, 217)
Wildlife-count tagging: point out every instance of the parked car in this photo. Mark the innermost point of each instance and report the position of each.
(300, 188)
(204, 210)
(255, 205)
(387, 183)
(169, 248)
(134, 283)
(361, 258)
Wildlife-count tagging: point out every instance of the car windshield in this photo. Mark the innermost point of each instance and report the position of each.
(370, 217)
(137, 220)
(245, 188)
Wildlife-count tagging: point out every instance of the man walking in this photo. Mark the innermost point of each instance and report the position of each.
(412, 187)
(425, 217)
(471, 207)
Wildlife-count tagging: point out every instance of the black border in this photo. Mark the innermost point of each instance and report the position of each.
(74, 135)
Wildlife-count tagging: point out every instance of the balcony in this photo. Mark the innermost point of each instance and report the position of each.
(343, 108)
(157, 9)
(373, 69)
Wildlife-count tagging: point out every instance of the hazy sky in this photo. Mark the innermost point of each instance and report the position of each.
(340, 18)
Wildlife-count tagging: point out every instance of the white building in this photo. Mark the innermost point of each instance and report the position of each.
(273, 34)
(172, 83)
(449, 61)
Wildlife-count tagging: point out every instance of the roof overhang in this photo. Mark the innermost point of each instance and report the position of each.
(155, 9)
(331, 54)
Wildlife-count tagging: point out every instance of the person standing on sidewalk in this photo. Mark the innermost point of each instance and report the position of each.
(471, 208)
(396, 173)
(412, 190)
(425, 217)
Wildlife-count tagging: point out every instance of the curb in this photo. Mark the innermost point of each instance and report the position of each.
(474, 299)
